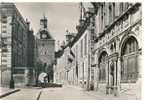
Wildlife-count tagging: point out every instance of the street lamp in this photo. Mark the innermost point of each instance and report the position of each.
(12, 79)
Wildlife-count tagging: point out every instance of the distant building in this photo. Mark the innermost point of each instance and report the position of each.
(14, 45)
(44, 50)
(60, 72)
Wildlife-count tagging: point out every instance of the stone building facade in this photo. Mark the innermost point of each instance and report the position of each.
(118, 48)
(77, 54)
(61, 68)
(107, 50)
(14, 45)
(44, 50)
(30, 57)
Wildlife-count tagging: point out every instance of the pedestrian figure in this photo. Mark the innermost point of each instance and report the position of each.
(42, 79)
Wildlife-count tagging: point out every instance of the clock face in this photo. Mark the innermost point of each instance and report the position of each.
(44, 36)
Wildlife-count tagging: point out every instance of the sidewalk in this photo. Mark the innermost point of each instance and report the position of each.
(6, 91)
(102, 96)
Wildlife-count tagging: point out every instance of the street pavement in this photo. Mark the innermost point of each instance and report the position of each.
(64, 93)
(23, 94)
(7, 91)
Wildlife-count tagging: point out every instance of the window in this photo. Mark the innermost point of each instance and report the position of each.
(130, 46)
(4, 65)
(83, 71)
(102, 18)
(129, 65)
(4, 60)
(4, 31)
(76, 52)
(126, 6)
(102, 22)
(4, 55)
(4, 19)
(4, 26)
(19, 71)
(85, 44)
(113, 10)
(110, 14)
(102, 67)
(121, 8)
(4, 49)
(82, 48)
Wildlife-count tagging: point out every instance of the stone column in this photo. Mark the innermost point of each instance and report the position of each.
(108, 78)
(139, 80)
(139, 60)
(97, 76)
(115, 78)
(118, 77)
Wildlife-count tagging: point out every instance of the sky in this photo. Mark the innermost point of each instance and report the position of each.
(61, 17)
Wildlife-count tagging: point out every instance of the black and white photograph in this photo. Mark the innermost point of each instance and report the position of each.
(71, 50)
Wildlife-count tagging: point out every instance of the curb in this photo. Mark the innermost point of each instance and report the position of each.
(8, 93)
(38, 97)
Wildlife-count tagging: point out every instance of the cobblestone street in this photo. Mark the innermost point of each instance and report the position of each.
(23, 94)
(65, 93)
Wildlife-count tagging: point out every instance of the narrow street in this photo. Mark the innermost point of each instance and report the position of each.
(64, 93)
(23, 94)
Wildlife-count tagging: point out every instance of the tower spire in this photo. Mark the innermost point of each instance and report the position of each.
(44, 16)
(43, 21)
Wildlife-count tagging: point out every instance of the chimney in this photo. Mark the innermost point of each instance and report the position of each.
(62, 44)
(28, 23)
(69, 37)
(82, 21)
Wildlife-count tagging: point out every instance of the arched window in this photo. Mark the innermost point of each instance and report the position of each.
(129, 66)
(102, 67)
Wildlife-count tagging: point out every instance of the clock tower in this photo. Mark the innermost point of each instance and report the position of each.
(44, 50)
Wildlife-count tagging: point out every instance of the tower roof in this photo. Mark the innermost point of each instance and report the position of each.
(43, 22)
(44, 29)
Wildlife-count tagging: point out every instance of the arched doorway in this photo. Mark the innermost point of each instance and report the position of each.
(129, 65)
(102, 66)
